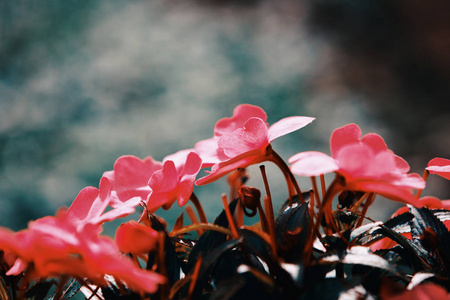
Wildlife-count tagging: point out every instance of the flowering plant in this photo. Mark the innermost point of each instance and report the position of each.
(309, 250)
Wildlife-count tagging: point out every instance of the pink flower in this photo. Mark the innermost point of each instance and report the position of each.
(175, 181)
(130, 177)
(366, 164)
(53, 246)
(157, 184)
(439, 166)
(133, 237)
(90, 204)
(242, 140)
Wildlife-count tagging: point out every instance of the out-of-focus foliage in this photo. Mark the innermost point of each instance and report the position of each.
(83, 83)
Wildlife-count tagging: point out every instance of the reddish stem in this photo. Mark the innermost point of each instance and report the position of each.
(316, 190)
(290, 178)
(269, 211)
(369, 201)
(194, 278)
(199, 208)
(334, 188)
(229, 217)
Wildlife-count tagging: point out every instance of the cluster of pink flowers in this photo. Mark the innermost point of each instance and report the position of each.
(71, 242)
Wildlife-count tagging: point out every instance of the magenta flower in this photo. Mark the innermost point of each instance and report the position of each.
(242, 140)
(54, 246)
(90, 204)
(130, 178)
(439, 166)
(175, 181)
(365, 164)
(157, 184)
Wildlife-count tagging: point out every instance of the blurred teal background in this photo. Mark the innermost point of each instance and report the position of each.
(82, 83)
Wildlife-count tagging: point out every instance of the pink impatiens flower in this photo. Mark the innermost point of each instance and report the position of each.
(158, 184)
(90, 204)
(175, 181)
(439, 166)
(54, 246)
(130, 177)
(365, 163)
(242, 140)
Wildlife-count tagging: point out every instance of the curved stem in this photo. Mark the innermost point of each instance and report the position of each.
(315, 189)
(369, 201)
(229, 217)
(269, 211)
(199, 208)
(190, 212)
(290, 178)
(334, 188)
(195, 227)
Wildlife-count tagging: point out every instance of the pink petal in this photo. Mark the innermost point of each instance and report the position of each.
(165, 179)
(354, 161)
(440, 166)
(402, 165)
(185, 189)
(209, 152)
(179, 158)
(19, 266)
(123, 210)
(82, 207)
(241, 114)
(437, 161)
(131, 176)
(343, 136)
(432, 202)
(223, 168)
(164, 184)
(446, 204)
(190, 171)
(312, 163)
(413, 181)
(381, 164)
(287, 125)
(192, 165)
(375, 142)
(252, 136)
(387, 190)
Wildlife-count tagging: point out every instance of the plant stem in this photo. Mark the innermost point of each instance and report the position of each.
(269, 211)
(334, 188)
(199, 208)
(290, 178)
(316, 190)
(369, 201)
(229, 217)
(194, 220)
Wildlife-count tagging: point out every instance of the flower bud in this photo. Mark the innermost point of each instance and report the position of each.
(250, 199)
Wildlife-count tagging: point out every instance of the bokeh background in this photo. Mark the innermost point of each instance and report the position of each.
(84, 82)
